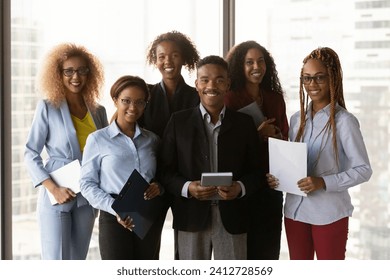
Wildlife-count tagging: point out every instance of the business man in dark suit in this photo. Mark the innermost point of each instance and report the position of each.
(210, 138)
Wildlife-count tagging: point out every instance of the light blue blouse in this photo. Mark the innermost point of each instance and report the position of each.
(109, 158)
(328, 205)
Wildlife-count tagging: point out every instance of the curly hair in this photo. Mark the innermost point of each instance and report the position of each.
(236, 60)
(50, 82)
(330, 60)
(186, 46)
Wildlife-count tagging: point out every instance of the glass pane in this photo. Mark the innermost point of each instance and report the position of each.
(118, 32)
(290, 29)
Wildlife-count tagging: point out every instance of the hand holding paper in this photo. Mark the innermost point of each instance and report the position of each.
(66, 176)
(288, 163)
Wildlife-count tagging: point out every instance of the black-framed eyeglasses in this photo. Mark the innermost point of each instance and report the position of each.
(69, 72)
(319, 79)
(137, 103)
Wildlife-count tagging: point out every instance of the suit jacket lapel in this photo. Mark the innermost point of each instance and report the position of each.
(70, 131)
(95, 119)
(226, 122)
(198, 120)
(200, 138)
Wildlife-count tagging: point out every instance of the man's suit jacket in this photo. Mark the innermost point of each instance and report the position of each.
(185, 155)
(53, 129)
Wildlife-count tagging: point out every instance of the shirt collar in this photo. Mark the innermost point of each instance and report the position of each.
(206, 116)
(325, 110)
(114, 130)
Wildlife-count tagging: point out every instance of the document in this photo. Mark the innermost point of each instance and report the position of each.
(131, 202)
(66, 176)
(288, 163)
(216, 179)
(254, 111)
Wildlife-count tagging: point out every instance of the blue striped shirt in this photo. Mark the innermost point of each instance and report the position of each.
(333, 203)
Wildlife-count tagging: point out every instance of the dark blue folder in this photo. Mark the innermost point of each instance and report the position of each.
(131, 202)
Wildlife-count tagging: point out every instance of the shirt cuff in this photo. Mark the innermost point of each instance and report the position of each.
(243, 191)
(330, 183)
(184, 190)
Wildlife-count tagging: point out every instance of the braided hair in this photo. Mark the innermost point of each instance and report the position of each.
(330, 60)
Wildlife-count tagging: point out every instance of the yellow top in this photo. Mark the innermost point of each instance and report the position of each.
(83, 128)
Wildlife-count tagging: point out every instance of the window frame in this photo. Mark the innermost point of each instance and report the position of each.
(5, 132)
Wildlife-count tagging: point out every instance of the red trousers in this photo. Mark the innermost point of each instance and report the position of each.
(328, 242)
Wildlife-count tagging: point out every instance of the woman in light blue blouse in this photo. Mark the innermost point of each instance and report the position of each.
(110, 156)
(337, 160)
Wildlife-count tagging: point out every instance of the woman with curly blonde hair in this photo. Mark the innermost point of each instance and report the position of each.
(70, 80)
(316, 223)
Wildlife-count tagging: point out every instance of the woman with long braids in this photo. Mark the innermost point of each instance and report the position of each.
(337, 160)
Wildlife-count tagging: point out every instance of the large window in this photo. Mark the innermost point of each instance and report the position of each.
(119, 31)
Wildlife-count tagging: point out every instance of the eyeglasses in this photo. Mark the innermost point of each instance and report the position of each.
(319, 79)
(137, 103)
(69, 72)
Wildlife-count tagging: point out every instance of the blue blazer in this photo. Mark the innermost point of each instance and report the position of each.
(53, 129)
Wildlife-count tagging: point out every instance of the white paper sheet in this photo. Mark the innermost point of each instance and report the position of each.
(288, 163)
(66, 176)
